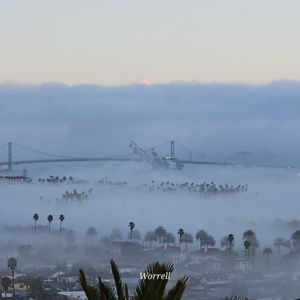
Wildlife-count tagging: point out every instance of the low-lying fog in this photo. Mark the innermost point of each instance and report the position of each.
(273, 193)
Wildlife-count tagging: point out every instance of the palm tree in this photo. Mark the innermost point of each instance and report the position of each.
(50, 219)
(35, 218)
(267, 252)
(150, 237)
(202, 236)
(61, 219)
(160, 232)
(91, 232)
(169, 238)
(279, 242)
(250, 236)
(5, 282)
(187, 238)
(230, 239)
(247, 249)
(12, 264)
(146, 288)
(180, 233)
(135, 235)
(131, 226)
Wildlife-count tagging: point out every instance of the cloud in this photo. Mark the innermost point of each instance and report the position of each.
(214, 119)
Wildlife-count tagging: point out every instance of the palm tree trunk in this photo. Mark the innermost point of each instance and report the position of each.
(13, 283)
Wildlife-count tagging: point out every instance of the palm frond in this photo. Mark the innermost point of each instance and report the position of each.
(90, 291)
(153, 289)
(105, 291)
(121, 292)
(176, 292)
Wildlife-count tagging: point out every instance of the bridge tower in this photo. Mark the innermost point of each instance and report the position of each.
(9, 156)
(172, 150)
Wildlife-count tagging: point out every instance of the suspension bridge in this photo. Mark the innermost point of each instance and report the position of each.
(129, 157)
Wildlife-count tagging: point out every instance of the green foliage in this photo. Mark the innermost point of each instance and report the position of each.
(146, 289)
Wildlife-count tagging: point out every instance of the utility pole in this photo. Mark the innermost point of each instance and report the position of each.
(9, 156)
(172, 152)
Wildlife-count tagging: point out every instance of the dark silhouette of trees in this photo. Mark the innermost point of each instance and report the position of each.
(230, 239)
(202, 237)
(249, 235)
(61, 219)
(169, 238)
(35, 218)
(131, 226)
(50, 219)
(12, 264)
(180, 233)
(91, 233)
(187, 238)
(146, 289)
(267, 252)
(6, 283)
(281, 242)
(296, 240)
(135, 235)
(150, 237)
(160, 233)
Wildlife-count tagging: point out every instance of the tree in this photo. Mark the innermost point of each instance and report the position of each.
(160, 233)
(296, 240)
(279, 242)
(247, 249)
(230, 239)
(50, 219)
(61, 219)
(150, 237)
(187, 238)
(12, 264)
(35, 218)
(267, 252)
(202, 237)
(91, 233)
(249, 235)
(210, 241)
(131, 226)
(135, 235)
(169, 238)
(180, 233)
(146, 288)
(5, 282)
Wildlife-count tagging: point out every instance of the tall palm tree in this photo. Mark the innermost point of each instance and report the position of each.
(91, 232)
(150, 237)
(50, 219)
(61, 219)
(12, 264)
(146, 289)
(35, 218)
(131, 226)
(180, 233)
(230, 239)
(160, 233)
(187, 238)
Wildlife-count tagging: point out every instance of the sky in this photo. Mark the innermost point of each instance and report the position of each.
(110, 42)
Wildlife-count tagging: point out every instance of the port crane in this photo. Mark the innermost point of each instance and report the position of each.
(155, 159)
